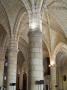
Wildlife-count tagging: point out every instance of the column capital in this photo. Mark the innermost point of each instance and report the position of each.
(35, 20)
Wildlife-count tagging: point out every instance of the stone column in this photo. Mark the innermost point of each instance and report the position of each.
(2, 59)
(54, 84)
(1, 72)
(36, 59)
(12, 64)
(45, 76)
(21, 80)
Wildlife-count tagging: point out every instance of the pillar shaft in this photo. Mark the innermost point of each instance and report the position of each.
(1, 72)
(2, 59)
(21, 80)
(12, 64)
(36, 58)
(54, 83)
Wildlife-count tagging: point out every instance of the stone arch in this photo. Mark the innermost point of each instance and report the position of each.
(20, 59)
(51, 23)
(61, 64)
(4, 24)
(27, 5)
(3, 34)
(47, 49)
(61, 47)
(19, 18)
(4, 21)
(23, 47)
(20, 63)
(4, 38)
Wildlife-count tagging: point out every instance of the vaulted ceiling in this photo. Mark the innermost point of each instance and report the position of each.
(54, 17)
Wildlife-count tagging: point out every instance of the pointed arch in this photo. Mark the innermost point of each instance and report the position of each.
(61, 47)
(4, 21)
(19, 18)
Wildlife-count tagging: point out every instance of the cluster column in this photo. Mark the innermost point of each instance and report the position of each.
(36, 59)
(12, 64)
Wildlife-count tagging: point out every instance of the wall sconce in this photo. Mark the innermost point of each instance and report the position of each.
(52, 64)
(5, 77)
(6, 64)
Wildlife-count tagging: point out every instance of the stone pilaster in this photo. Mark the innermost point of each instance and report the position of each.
(36, 59)
(12, 64)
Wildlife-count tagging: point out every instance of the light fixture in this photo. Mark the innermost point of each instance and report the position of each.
(52, 64)
(18, 72)
(6, 64)
(49, 65)
(5, 78)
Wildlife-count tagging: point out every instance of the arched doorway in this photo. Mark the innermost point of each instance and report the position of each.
(61, 62)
